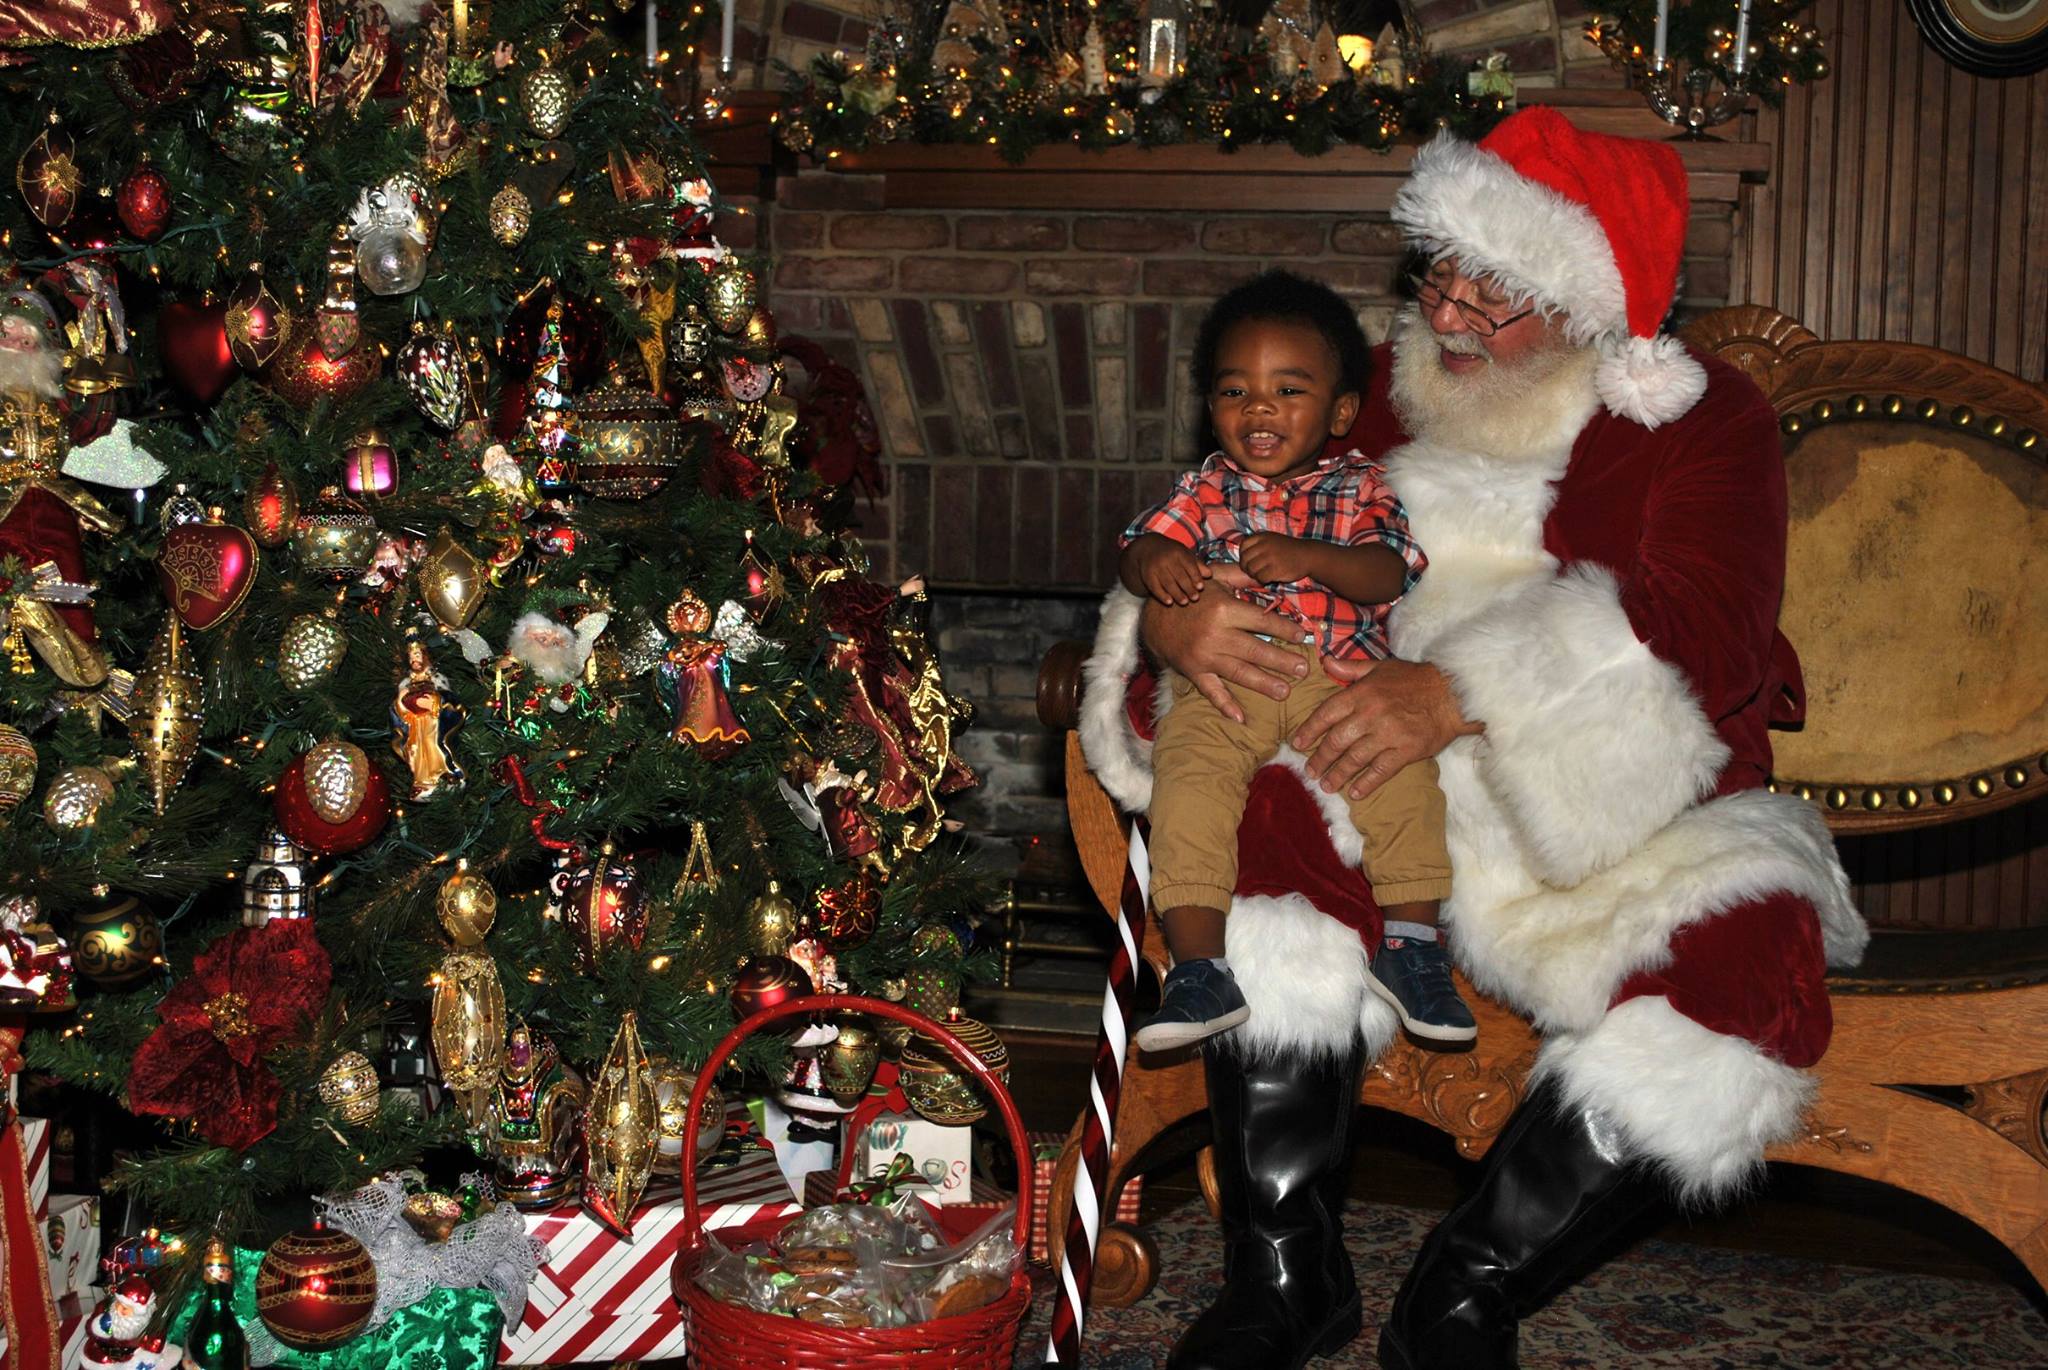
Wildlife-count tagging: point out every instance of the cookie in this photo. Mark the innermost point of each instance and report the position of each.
(967, 1294)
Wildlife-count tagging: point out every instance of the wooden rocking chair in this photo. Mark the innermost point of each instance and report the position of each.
(1918, 597)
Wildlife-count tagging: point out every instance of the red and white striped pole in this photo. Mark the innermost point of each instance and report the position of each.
(1098, 1128)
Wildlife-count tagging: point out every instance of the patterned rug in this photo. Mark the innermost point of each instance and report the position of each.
(1661, 1305)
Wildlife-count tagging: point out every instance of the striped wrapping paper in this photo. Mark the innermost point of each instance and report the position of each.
(73, 1310)
(35, 1148)
(601, 1298)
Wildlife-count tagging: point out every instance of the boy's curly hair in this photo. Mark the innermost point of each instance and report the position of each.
(1282, 295)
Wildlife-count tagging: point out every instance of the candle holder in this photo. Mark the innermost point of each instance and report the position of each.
(1693, 101)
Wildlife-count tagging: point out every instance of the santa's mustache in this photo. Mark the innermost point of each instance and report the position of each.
(1463, 344)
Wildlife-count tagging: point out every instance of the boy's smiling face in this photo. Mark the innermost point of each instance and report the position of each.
(1277, 396)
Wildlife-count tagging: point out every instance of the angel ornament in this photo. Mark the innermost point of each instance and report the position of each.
(692, 683)
(423, 725)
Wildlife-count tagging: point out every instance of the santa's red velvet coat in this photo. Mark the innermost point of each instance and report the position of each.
(1605, 603)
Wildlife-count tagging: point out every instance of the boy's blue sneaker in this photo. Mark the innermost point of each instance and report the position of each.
(1414, 977)
(1198, 1000)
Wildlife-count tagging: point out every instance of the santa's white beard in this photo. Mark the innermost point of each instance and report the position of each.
(1504, 410)
(39, 372)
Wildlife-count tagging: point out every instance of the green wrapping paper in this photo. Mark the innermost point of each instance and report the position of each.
(450, 1329)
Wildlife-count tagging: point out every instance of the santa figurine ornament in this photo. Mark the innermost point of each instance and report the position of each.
(118, 1336)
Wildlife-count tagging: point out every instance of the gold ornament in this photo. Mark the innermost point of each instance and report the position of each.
(117, 943)
(466, 905)
(349, 1087)
(336, 538)
(337, 776)
(759, 339)
(312, 647)
(940, 1089)
(545, 98)
(510, 215)
(625, 441)
(796, 134)
(699, 872)
(673, 1134)
(930, 991)
(468, 1028)
(170, 706)
(733, 291)
(17, 767)
(848, 1062)
(619, 1128)
(1121, 124)
(75, 797)
(771, 922)
(452, 581)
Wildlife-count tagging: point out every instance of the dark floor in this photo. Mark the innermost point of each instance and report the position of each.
(1805, 1213)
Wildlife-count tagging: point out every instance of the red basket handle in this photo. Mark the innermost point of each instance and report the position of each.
(693, 1225)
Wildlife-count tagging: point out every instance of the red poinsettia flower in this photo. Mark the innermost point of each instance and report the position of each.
(247, 992)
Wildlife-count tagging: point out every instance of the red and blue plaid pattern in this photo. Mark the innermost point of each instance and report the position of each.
(1345, 500)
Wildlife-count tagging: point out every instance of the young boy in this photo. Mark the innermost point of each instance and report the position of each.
(1283, 363)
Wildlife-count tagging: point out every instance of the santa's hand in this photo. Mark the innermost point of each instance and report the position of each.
(1391, 714)
(1216, 639)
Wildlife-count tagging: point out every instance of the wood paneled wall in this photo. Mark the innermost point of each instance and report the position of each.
(1908, 200)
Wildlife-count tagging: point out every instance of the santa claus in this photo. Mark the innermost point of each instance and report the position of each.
(1591, 657)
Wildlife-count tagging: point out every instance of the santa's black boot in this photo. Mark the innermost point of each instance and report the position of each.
(1283, 1132)
(1556, 1194)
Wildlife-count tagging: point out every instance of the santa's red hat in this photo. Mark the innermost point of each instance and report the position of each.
(1584, 225)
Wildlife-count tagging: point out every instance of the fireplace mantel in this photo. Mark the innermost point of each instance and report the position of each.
(1263, 178)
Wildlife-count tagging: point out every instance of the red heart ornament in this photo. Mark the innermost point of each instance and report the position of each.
(193, 337)
(206, 570)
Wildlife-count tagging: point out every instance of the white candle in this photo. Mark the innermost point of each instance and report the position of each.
(653, 37)
(1742, 37)
(725, 40)
(1663, 22)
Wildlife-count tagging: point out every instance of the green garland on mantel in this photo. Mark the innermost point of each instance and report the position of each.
(1015, 100)
(1021, 90)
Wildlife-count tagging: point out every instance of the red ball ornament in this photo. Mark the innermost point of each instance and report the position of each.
(846, 914)
(206, 570)
(303, 372)
(143, 200)
(604, 904)
(332, 799)
(193, 337)
(315, 1288)
(764, 982)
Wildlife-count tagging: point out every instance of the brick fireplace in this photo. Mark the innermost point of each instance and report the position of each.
(1023, 333)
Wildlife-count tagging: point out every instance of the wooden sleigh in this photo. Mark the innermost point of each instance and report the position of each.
(1918, 597)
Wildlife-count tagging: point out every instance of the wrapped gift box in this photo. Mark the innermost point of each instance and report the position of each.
(72, 1311)
(71, 1237)
(599, 1297)
(943, 1156)
(1045, 1158)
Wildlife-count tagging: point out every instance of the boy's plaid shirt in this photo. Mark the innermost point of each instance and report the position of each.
(1345, 500)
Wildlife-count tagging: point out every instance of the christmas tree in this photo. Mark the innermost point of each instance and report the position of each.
(424, 602)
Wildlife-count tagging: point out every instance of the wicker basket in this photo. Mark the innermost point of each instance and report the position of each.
(728, 1336)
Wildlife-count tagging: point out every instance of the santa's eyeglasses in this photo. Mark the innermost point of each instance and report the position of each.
(1431, 296)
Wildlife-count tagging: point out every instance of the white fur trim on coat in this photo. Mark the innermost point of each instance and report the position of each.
(1649, 380)
(1592, 743)
(1699, 1105)
(1560, 955)
(1120, 759)
(1303, 974)
(1531, 239)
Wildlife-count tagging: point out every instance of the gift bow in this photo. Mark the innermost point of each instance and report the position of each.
(882, 1188)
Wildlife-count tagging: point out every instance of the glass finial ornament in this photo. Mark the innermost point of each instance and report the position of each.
(278, 883)
(621, 1126)
(169, 709)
